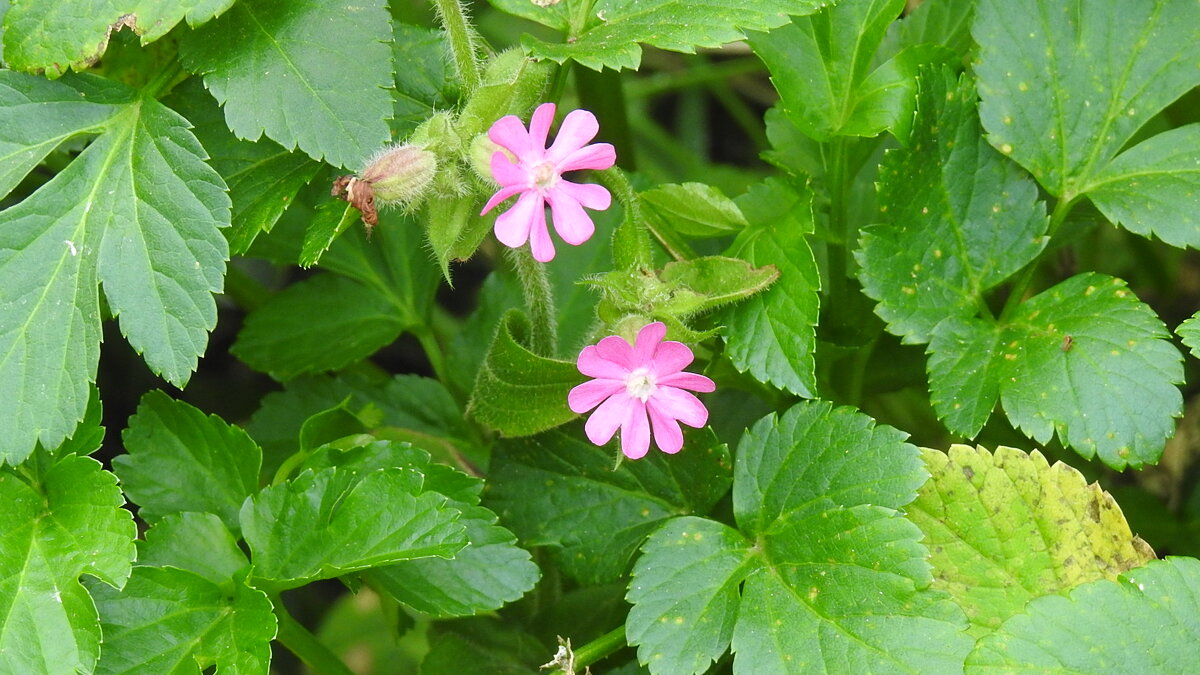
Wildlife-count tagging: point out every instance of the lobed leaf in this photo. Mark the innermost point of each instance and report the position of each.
(1055, 367)
(180, 459)
(1004, 528)
(308, 73)
(196, 542)
(68, 524)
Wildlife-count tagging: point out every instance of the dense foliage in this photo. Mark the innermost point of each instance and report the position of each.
(279, 385)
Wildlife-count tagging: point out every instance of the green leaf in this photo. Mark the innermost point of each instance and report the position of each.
(1008, 527)
(139, 211)
(490, 572)
(612, 40)
(817, 451)
(808, 584)
(1189, 332)
(70, 523)
(1152, 187)
(183, 460)
(50, 38)
(170, 620)
(426, 83)
(556, 15)
(517, 392)
(685, 594)
(772, 335)
(1146, 622)
(960, 218)
(40, 115)
(263, 177)
(941, 22)
(694, 209)
(512, 84)
(1055, 367)
(1064, 85)
(89, 435)
(329, 221)
(196, 542)
(325, 524)
(309, 73)
(821, 66)
(323, 323)
(561, 491)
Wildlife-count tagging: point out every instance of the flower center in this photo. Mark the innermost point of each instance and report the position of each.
(640, 384)
(544, 175)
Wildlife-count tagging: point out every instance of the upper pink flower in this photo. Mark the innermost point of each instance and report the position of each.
(645, 380)
(537, 177)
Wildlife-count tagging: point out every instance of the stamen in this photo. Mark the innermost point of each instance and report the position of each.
(640, 384)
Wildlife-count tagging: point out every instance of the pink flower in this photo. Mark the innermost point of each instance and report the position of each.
(632, 383)
(537, 177)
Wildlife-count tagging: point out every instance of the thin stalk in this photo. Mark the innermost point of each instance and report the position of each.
(600, 647)
(305, 645)
(165, 80)
(462, 42)
(835, 171)
(433, 352)
(539, 299)
(1021, 286)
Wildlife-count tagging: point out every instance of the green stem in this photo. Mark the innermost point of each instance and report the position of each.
(539, 299)
(598, 649)
(433, 352)
(835, 171)
(462, 42)
(631, 243)
(603, 93)
(1021, 286)
(305, 645)
(165, 80)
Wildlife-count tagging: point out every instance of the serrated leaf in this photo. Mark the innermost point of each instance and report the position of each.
(942, 22)
(1008, 527)
(960, 218)
(308, 73)
(561, 491)
(322, 323)
(426, 82)
(170, 620)
(329, 221)
(772, 335)
(325, 524)
(89, 435)
(820, 64)
(138, 210)
(1064, 85)
(1153, 187)
(1146, 622)
(183, 460)
(828, 586)
(1055, 367)
(817, 451)
(70, 523)
(675, 25)
(196, 542)
(40, 115)
(263, 177)
(694, 209)
(556, 15)
(490, 572)
(53, 37)
(1189, 332)
(517, 392)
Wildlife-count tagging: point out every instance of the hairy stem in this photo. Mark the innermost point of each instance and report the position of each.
(539, 299)
(462, 42)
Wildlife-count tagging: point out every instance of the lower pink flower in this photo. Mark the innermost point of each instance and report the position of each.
(640, 389)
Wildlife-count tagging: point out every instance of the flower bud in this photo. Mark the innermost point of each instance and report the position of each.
(480, 157)
(396, 175)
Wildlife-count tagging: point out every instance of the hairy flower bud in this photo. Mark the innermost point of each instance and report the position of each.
(396, 175)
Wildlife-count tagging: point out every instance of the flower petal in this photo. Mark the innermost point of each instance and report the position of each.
(501, 194)
(667, 434)
(635, 430)
(593, 363)
(594, 156)
(539, 236)
(509, 132)
(591, 393)
(506, 173)
(648, 339)
(570, 221)
(579, 127)
(614, 348)
(592, 196)
(680, 405)
(688, 381)
(539, 129)
(603, 423)
(512, 227)
(670, 358)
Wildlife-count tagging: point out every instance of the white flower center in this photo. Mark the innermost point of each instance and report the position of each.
(545, 175)
(640, 384)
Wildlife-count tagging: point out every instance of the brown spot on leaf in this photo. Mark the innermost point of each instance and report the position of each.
(968, 472)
